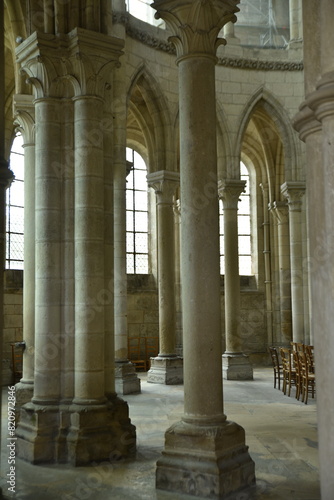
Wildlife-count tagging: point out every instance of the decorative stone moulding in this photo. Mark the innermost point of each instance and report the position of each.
(230, 62)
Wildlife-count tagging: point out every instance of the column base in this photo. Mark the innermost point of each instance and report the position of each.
(126, 378)
(102, 432)
(208, 461)
(168, 371)
(237, 367)
(75, 434)
(24, 393)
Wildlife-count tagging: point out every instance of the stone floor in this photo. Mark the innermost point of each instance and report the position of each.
(280, 431)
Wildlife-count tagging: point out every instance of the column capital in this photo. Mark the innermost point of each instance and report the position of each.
(6, 175)
(164, 183)
(229, 192)
(280, 211)
(305, 122)
(196, 24)
(24, 116)
(294, 191)
(78, 63)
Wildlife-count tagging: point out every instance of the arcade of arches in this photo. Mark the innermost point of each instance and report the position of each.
(83, 82)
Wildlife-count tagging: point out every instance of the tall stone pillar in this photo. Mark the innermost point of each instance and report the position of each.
(294, 191)
(280, 212)
(6, 176)
(204, 454)
(75, 415)
(166, 368)
(267, 264)
(236, 365)
(24, 113)
(126, 379)
(315, 122)
(178, 302)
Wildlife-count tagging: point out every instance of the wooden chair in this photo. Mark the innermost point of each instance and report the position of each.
(289, 373)
(309, 351)
(17, 361)
(136, 352)
(308, 378)
(277, 366)
(297, 367)
(152, 350)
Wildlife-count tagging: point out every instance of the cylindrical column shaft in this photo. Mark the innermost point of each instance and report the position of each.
(200, 240)
(29, 263)
(107, 298)
(280, 210)
(48, 253)
(293, 193)
(89, 252)
(230, 195)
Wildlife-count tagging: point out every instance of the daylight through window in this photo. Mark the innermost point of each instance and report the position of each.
(136, 215)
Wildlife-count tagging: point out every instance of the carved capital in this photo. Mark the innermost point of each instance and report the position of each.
(78, 63)
(164, 183)
(24, 117)
(280, 211)
(229, 192)
(293, 191)
(196, 23)
(6, 175)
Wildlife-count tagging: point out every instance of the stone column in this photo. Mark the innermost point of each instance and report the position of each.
(6, 176)
(280, 212)
(24, 113)
(127, 381)
(178, 302)
(204, 454)
(236, 365)
(295, 23)
(267, 264)
(166, 368)
(294, 191)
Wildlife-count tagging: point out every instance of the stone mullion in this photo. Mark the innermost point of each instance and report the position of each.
(293, 192)
(48, 253)
(89, 251)
(295, 20)
(166, 367)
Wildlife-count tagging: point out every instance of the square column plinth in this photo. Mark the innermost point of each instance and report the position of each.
(166, 370)
(237, 367)
(76, 434)
(126, 378)
(205, 461)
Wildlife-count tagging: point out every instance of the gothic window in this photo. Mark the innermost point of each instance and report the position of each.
(136, 215)
(142, 10)
(244, 228)
(15, 208)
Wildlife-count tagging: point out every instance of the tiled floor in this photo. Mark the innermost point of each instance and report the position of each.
(280, 431)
